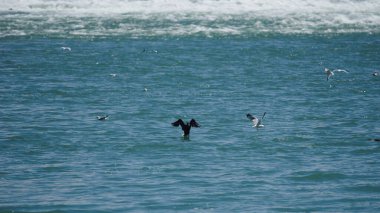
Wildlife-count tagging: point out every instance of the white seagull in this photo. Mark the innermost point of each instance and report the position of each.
(330, 73)
(257, 122)
(66, 48)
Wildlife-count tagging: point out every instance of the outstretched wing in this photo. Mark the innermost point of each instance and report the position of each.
(254, 120)
(193, 123)
(250, 117)
(263, 115)
(340, 70)
(179, 122)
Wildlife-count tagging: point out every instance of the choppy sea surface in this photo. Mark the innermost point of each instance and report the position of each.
(147, 64)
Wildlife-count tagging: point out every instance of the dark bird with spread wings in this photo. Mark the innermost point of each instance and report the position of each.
(185, 127)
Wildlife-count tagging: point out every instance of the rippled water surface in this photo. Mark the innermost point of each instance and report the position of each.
(316, 151)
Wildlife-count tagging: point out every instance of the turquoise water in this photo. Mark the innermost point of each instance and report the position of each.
(315, 153)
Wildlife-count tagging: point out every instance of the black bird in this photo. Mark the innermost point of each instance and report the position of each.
(186, 127)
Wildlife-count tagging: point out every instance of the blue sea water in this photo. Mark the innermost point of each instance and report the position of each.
(148, 63)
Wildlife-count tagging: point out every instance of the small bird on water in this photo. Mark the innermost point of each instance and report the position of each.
(185, 127)
(66, 48)
(257, 122)
(102, 117)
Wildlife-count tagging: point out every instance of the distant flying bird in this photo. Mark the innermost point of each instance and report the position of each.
(330, 73)
(66, 48)
(113, 74)
(185, 127)
(257, 122)
(102, 117)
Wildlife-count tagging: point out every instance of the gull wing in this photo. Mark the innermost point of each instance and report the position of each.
(193, 123)
(340, 70)
(254, 120)
(250, 117)
(179, 122)
(263, 115)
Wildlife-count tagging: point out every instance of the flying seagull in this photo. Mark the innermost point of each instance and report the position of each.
(330, 73)
(66, 48)
(102, 117)
(257, 122)
(185, 127)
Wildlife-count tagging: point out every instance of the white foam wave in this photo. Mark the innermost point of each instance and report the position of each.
(263, 7)
(186, 17)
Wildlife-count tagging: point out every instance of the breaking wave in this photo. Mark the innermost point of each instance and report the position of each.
(135, 18)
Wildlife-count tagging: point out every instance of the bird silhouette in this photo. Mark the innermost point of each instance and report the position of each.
(185, 127)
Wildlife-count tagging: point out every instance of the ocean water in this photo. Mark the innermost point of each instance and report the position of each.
(148, 63)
